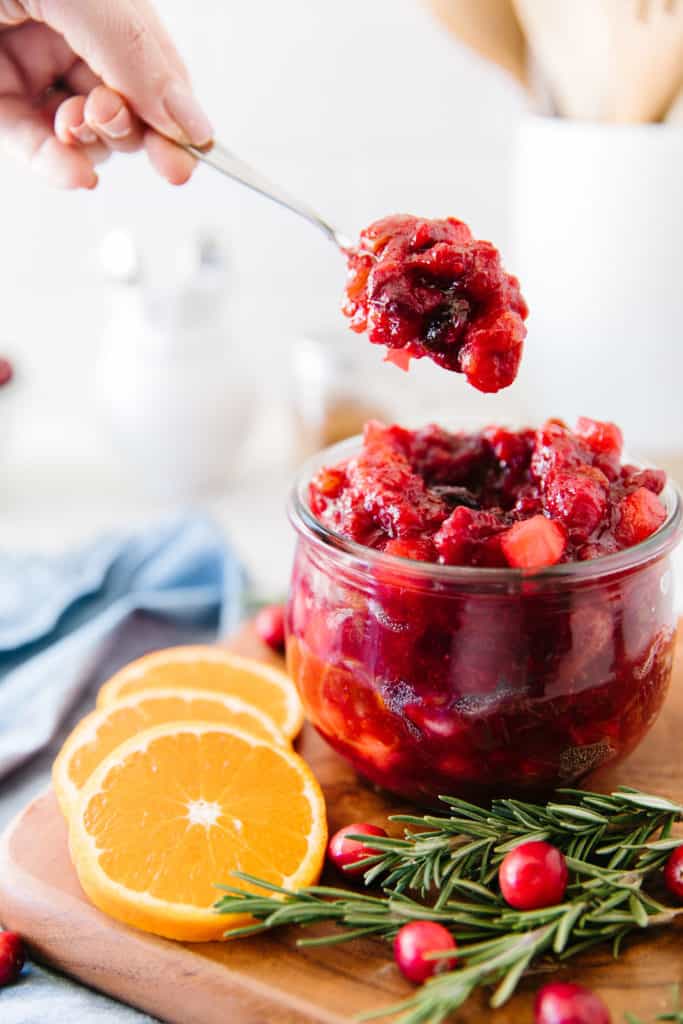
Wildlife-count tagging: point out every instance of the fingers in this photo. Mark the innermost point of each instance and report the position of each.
(71, 128)
(31, 58)
(157, 26)
(67, 113)
(12, 13)
(27, 134)
(37, 55)
(109, 117)
(103, 122)
(102, 117)
(80, 79)
(122, 43)
(171, 162)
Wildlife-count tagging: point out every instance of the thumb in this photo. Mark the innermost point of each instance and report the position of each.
(125, 45)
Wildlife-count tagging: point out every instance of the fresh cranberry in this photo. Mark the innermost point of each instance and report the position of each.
(270, 626)
(413, 941)
(673, 873)
(561, 1003)
(428, 288)
(534, 543)
(6, 371)
(12, 957)
(345, 852)
(533, 875)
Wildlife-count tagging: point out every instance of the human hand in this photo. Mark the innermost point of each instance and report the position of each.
(80, 79)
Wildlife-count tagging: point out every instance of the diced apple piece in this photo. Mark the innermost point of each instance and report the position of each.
(534, 543)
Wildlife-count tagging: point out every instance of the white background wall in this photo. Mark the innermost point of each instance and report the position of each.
(364, 108)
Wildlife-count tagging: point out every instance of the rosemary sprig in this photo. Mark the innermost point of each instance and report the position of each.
(471, 841)
(496, 944)
(614, 844)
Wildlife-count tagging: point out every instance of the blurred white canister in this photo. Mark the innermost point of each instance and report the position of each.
(172, 384)
(598, 247)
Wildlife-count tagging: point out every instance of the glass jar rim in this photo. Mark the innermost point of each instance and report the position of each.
(305, 523)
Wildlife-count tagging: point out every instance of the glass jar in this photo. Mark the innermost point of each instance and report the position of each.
(477, 682)
(332, 390)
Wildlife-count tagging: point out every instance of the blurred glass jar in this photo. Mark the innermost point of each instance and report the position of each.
(174, 387)
(334, 391)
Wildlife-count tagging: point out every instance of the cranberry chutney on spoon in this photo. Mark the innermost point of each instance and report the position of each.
(420, 287)
(428, 288)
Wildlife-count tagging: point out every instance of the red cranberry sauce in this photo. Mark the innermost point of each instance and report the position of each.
(499, 498)
(428, 288)
(471, 684)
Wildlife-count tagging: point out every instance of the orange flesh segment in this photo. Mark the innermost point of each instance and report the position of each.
(173, 812)
(182, 866)
(102, 731)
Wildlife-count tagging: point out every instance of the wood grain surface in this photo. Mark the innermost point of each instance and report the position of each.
(267, 979)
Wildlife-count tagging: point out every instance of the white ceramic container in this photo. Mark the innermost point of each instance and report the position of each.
(598, 246)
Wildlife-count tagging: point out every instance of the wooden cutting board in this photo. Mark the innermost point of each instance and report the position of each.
(267, 979)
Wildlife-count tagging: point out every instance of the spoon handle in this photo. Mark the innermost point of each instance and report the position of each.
(221, 159)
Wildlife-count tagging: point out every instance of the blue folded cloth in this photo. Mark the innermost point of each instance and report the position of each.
(57, 615)
(43, 997)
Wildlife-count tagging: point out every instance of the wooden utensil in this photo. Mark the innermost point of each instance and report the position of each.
(608, 60)
(570, 41)
(674, 114)
(489, 28)
(646, 56)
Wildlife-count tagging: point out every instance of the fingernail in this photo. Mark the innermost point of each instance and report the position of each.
(183, 108)
(118, 127)
(84, 134)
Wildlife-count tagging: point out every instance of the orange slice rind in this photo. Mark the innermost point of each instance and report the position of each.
(208, 667)
(174, 811)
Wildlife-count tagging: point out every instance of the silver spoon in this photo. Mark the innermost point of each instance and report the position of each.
(221, 159)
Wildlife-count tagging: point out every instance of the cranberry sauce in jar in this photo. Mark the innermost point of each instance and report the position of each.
(482, 614)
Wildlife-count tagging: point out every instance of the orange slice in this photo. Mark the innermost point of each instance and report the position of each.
(212, 668)
(175, 810)
(101, 731)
